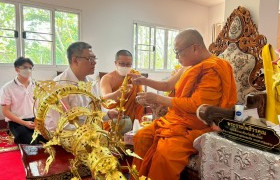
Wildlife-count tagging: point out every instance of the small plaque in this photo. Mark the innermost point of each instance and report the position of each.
(254, 135)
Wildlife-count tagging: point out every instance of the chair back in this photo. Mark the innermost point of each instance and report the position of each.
(240, 43)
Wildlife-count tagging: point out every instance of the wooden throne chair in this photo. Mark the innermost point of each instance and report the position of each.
(240, 43)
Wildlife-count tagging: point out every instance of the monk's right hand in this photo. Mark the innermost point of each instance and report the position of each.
(137, 79)
(29, 124)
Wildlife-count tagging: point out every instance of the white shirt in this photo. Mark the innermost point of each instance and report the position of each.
(72, 100)
(19, 97)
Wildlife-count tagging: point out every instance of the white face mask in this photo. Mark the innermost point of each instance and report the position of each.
(26, 73)
(123, 71)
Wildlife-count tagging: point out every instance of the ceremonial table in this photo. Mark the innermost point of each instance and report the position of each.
(34, 161)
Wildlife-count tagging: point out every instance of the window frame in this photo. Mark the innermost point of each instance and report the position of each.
(20, 22)
(135, 49)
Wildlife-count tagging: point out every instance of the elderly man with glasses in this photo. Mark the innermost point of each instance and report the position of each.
(82, 63)
(167, 143)
(110, 85)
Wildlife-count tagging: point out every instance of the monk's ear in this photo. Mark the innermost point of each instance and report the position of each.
(196, 48)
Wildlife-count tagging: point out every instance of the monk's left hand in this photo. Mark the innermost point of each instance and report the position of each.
(146, 98)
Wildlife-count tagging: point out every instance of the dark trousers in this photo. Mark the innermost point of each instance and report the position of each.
(22, 134)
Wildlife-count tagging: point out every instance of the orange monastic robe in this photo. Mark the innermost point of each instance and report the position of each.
(167, 143)
(132, 108)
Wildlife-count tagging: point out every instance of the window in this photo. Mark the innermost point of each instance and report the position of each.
(40, 33)
(8, 44)
(217, 28)
(153, 48)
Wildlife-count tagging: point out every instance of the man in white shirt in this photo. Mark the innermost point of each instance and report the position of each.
(16, 99)
(82, 63)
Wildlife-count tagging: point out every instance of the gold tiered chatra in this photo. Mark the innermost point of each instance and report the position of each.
(88, 142)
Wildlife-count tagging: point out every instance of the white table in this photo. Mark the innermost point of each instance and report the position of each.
(222, 159)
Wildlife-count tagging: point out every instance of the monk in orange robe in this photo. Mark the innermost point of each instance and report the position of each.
(110, 85)
(167, 143)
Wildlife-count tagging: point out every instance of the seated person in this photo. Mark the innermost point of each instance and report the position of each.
(110, 85)
(82, 63)
(167, 143)
(17, 103)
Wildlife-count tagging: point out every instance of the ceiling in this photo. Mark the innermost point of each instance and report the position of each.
(207, 2)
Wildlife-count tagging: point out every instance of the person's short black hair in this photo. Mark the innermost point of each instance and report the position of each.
(76, 48)
(123, 52)
(21, 60)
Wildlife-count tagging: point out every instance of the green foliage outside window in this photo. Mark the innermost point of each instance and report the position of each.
(40, 43)
(8, 51)
(154, 47)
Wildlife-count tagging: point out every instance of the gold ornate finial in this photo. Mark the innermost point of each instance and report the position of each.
(78, 129)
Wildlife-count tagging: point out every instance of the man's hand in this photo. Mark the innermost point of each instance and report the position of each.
(29, 124)
(146, 98)
(137, 79)
(112, 113)
(129, 88)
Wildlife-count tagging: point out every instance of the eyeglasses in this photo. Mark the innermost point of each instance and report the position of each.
(177, 53)
(90, 59)
(26, 67)
(125, 64)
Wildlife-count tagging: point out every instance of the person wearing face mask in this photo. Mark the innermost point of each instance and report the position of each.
(110, 85)
(16, 98)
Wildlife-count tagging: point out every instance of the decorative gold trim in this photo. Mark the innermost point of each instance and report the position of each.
(7, 149)
(3, 130)
(249, 42)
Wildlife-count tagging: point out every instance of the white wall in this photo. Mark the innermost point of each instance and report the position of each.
(108, 26)
(252, 5)
(268, 19)
(216, 15)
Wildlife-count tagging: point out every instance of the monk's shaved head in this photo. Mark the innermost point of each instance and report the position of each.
(189, 37)
(190, 48)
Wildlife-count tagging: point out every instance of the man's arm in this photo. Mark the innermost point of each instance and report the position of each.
(147, 98)
(6, 110)
(167, 85)
(106, 89)
(208, 91)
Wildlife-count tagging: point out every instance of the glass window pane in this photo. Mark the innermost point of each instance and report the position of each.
(160, 44)
(37, 20)
(7, 33)
(8, 47)
(8, 51)
(152, 54)
(38, 36)
(171, 57)
(143, 59)
(7, 16)
(66, 32)
(143, 35)
(145, 47)
(39, 51)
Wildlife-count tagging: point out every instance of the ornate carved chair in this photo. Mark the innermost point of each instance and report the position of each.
(240, 43)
